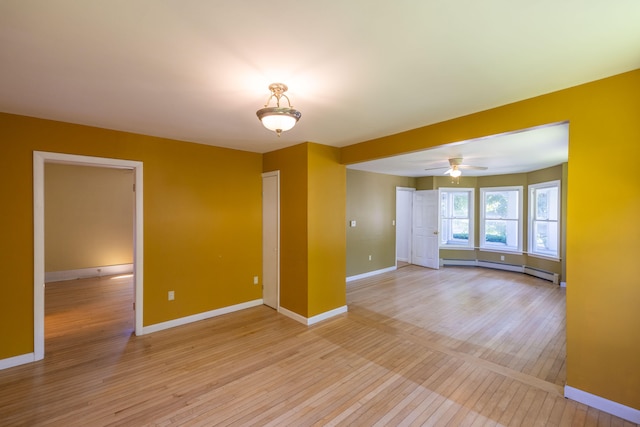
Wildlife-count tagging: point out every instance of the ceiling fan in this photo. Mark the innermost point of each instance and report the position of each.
(456, 166)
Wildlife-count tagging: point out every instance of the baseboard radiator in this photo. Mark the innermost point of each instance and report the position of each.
(546, 275)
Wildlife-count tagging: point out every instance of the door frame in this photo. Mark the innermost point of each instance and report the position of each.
(410, 225)
(275, 174)
(39, 160)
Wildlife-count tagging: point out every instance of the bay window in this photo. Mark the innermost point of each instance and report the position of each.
(456, 218)
(501, 218)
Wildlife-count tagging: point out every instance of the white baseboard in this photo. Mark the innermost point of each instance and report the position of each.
(200, 316)
(10, 362)
(84, 273)
(292, 315)
(563, 284)
(326, 315)
(370, 273)
(609, 406)
(315, 319)
(500, 266)
(545, 275)
(459, 262)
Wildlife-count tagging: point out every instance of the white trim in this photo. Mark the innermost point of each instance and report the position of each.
(459, 262)
(277, 175)
(499, 266)
(371, 273)
(292, 315)
(327, 315)
(532, 188)
(83, 273)
(200, 316)
(470, 209)
(39, 159)
(499, 248)
(315, 319)
(542, 274)
(614, 408)
(10, 362)
(395, 225)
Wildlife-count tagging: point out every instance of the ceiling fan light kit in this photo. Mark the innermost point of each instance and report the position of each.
(278, 119)
(455, 166)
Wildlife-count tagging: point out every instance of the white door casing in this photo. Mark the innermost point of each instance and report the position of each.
(271, 239)
(39, 159)
(425, 229)
(404, 202)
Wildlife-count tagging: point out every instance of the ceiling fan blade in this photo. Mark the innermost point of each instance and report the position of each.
(431, 169)
(448, 172)
(479, 168)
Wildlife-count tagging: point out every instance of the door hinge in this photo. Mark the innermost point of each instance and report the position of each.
(134, 306)
(134, 188)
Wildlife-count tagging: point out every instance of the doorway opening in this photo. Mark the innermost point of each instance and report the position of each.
(39, 160)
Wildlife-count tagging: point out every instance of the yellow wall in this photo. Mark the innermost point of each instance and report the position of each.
(327, 251)
(292, 164)
(312, 236)
(603, 320)
(88, 217)
(202, 220)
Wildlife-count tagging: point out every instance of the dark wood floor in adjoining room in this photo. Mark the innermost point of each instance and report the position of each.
(457, 346)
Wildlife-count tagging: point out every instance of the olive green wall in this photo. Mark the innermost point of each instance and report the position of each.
(371, 202)
(88, 217)
(202, 220)
(602, 251)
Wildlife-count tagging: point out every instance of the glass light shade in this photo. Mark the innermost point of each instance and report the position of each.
(455, 173)
(278, 119)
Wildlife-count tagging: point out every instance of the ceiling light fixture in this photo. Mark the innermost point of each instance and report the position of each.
(278, 119)
(454, 172)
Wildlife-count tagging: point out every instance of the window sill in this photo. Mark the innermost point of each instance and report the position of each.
(545, 257)
(457, 248)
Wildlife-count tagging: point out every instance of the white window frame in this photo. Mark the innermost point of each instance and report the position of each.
(533, 188)
(500, 247)
(471, 217)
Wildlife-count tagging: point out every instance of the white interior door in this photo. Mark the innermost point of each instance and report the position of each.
(425, 229)
(404, 203)
(271, 239)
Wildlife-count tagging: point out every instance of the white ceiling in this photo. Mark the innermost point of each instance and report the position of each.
(517, 152)
(197, 70)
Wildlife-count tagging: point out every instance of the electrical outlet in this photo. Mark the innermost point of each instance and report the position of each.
(501, 257)
(255, 280)
(369, 257)
(171, 296)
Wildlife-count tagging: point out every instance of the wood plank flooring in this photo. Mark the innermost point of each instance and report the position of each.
(453, 347)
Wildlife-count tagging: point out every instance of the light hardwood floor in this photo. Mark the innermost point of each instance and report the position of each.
(458, 346)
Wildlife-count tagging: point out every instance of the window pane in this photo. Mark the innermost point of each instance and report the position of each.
(501, 204)
(460, 230)
(545, 238)
(461, 205)
(496, 204)
(495, 232)
(444, 211)
(501, 233)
